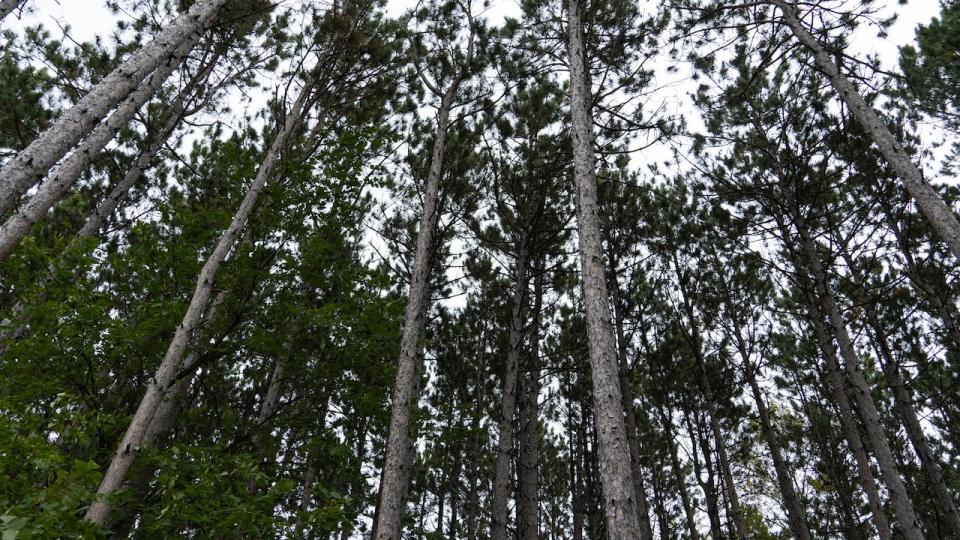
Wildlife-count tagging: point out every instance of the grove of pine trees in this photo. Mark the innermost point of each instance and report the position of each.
(600, 269)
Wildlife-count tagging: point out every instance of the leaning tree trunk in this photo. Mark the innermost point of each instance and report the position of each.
(399, 452)
(7, 7)
(268, 407)
(528, 509)
(69, 172)
(940, 216)
(501, 481)
(903, 401)
(630, 416)
(620, 502)
(159, 385)
(30, 165)
(908, 522)
(795, 512)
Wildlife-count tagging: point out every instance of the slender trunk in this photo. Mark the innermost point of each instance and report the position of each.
(620, 499)
(708, 486)
(903, 401)
(159, 385)
(7, 7)
(626, 396)
(872, 423)
(696, 343)
(795, 511)
(268, 407)
(940, 216)
(30, 165)
(576, 497)
(501, 482)
(399, 452)
(528, 508)
(678, 474)
(306, 495)
(59, 182)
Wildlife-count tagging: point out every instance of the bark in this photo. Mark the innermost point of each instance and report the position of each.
(501, 482)
(30, 165)
(620, 499)
(528, 509)
(908, 522)
(940, 216)
(796, 515)
(7, 7)
(903, 401)
(399, 452)
(159, 385)
(627, 398)
(59, 182)
(708, 486)
(268, 407)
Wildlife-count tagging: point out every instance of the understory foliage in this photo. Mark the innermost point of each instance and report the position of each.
(783, 312)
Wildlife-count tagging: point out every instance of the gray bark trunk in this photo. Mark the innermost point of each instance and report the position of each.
(940, 216)
(399, 451)
(69, 172)
(528, 509)
(501, 482)
(7, 7)
(678, 475)
(904, 402)
(30, 165)
(908, 522)
(159, 385)
(620, 500)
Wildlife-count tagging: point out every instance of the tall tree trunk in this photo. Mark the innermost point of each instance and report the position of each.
(620, 500)
(678, 474)
(940, 216)
(708, 486)
(626, 396)
(902, 399)
(795, 512)
(696, 344)
(863, 397)
(57, 185)
(399, 452)
(159, 385)
(501, 482)
(268, 406)
(528, 508)
(7, 7)
(30, 165)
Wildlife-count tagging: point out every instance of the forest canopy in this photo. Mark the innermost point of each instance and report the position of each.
(608, 269)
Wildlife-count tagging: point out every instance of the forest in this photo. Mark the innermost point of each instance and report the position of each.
(591, 270)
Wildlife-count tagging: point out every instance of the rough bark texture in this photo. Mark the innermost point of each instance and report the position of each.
(528, 509)
(30, 165)
(501, 481)
(619, 499)
(159, 385)
(7, 7)
(399, 452)
(678, 475)
(940, 216)
(908, 522)
(79, 161)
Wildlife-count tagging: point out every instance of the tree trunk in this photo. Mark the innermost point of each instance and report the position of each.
(30, 165)
(57, 185)
(399, 452)
(903, 401)
(268, 407)
(899, 497)
(501, 482)
(528, 508)
(678, 474)
(940, 216)
(708, 486)
(630, 416)
(159, 385)
(796, 514)
(620, 502)
(7, 7)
